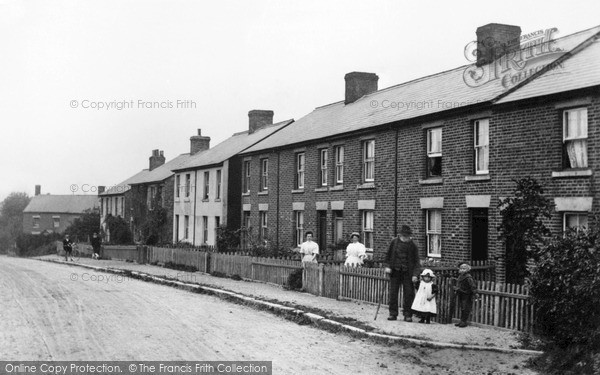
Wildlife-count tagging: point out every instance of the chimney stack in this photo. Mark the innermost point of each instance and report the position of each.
(199, 143)
(157, 159)
(258, 119)
(38, 189)
(101, 189)
(495, 40)
(359, 84)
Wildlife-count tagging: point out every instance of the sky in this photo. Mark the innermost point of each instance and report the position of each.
(89, 88)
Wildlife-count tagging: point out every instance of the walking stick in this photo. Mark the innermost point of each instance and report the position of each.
(379, 302)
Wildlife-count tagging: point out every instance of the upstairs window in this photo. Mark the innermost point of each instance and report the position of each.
(188, 184)
(300, 164)
(246, 177)
(339, 165)
(264, 174)
(482, 140)
(434, 152)
(177, 185)
(218, 184)
(206, 185)
(323, 170)
(575, 134)
(369, 161)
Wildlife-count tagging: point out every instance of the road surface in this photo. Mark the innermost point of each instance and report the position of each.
(58, 312)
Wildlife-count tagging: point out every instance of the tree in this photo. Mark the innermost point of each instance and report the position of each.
(118, 229)
(84, 227)
(565, 289)
(522, 228)
(11, 218)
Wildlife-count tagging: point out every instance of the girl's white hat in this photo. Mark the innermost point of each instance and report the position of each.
(427, 272)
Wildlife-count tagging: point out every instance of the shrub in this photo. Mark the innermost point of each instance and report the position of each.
(566, 293)
(36, 244)
(294, 281)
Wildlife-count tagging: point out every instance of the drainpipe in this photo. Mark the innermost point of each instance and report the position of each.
(195, 199)
(396, 186)
(277, 210)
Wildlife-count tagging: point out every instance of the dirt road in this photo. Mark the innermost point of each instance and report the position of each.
(58, 312)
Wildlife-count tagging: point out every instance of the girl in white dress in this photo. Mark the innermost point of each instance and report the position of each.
(424, 303)
(355, 252)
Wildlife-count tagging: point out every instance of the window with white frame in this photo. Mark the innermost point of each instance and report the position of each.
(177, 185)
(264, 230)
(323, 161)
(339, 165)
(300, 164)
(186, 227)
(434, 233)
(56, 221)
(575, 220)
(434, 152)
(369, 161)
(176, 228)
(206, 185)
(482, 141)
(338, 225)
(246, 178)
(218, 192)
(575, 134)
(367, 229)
(264, 174)
(188, 183)
(298, 227)
(36, 221)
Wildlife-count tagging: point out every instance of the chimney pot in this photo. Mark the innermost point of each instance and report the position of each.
(199, 143)
(101, 189)
(258, 119)
(495, 40)
(38, 189)
(359, 84)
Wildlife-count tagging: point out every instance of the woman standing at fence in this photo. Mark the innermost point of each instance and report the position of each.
(355, 252)
(310, 249)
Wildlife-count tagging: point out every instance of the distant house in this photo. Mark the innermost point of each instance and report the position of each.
(54, 213)
(207, 184)
(116, 201)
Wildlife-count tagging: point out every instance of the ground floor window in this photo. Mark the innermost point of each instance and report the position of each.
(367, 229)
(205, 229)
(264, 230)
(298, 227)
(575, 220)
(434, 233)
(338, 226)
(246, 223)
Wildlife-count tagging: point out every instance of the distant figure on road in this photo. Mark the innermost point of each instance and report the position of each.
(402, 264)
(355, 252)
(310, 249)
(96, 246)
(68, 248)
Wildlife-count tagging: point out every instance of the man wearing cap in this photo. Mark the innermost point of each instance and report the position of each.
(403, 266)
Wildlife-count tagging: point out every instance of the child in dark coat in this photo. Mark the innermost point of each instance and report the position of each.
(465, 289)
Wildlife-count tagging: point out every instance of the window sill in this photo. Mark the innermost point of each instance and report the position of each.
(297, 191)
(205, 200)
(247, 194)
(217, 199)
(478, 177)
(321, 189)
(186, 199)
(366, 185)
(263, 193)
(432, 181)
(573, 173)
(336, 188)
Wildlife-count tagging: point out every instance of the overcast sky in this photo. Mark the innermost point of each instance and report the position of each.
(220, 58)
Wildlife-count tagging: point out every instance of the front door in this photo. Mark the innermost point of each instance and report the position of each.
(322, 231)
(479, 234)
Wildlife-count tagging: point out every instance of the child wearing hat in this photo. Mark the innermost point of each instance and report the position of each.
(424, 304)
(355, 251)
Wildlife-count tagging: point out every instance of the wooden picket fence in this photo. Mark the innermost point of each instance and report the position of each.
(500, 305)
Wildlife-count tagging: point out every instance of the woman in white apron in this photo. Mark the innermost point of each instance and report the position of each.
(355, 252)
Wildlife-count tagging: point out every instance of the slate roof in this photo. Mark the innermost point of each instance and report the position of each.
(124, 186)
(75, 204)
(424, 96)
(161, 173)
(231, 146)
(576, 72)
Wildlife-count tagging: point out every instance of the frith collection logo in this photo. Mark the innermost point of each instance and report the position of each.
(512, 65)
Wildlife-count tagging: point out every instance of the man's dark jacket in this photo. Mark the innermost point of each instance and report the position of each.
(403, 256)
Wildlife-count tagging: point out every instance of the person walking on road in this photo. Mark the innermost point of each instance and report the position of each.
(68, 248)
(310, 249)
(402, 266)
(96, 246)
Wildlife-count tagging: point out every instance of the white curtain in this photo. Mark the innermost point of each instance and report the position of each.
(577, 151)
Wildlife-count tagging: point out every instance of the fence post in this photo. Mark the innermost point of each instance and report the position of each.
(497, 305)
(321, 279)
